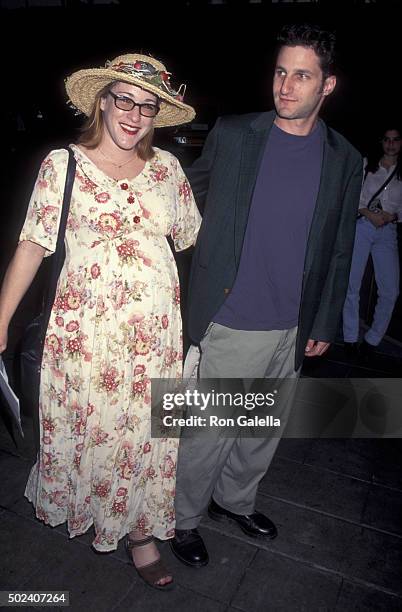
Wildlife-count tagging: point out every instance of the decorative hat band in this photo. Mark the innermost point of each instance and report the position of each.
(148, 73)
(136, 69)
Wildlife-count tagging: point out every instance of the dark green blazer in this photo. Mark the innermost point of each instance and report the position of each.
(223, 180)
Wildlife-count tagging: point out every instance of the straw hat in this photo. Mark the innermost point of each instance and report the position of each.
(141, 70)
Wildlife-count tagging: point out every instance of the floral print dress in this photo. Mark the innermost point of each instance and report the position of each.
(115, 324)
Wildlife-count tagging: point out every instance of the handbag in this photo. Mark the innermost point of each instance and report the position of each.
(374, 204)
(33, 340)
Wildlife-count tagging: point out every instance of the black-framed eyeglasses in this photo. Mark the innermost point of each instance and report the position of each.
(147, 109)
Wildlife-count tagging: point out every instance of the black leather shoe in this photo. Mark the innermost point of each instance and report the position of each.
(254, 525)
(366, 349)
(188, 546)
(367, 353)
(351, 349)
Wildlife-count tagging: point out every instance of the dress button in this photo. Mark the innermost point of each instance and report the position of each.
(124, 186)
(130, 199)
(137, 219)
(226, 290)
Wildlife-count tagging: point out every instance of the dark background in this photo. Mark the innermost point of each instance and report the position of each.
(223, 52)
(337, 502)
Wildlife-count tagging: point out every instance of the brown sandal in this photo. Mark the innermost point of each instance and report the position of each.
(152, 572)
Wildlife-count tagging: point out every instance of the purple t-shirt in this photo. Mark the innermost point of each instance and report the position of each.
(267, 291)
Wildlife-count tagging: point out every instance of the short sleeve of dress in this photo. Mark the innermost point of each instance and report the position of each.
(188, 219)
(43, 215)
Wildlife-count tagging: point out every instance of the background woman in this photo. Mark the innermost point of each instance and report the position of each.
(376, 235)
(115, 322)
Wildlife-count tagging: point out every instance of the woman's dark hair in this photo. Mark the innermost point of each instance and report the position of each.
(373, 158)
(312, 36)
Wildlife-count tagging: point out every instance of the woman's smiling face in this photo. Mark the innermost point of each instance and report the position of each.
(126, 128)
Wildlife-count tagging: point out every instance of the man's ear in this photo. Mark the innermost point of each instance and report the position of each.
(329, 85)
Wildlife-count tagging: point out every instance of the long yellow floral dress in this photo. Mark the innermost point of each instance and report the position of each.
(115, 324)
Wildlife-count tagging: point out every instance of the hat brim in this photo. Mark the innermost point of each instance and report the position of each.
(82, 87)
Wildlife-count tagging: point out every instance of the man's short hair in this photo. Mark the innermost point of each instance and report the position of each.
(314, 37)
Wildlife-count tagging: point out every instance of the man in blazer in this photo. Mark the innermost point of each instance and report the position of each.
(279, 191)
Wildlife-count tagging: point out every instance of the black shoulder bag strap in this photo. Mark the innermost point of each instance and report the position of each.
(32, 343)
(59, 254)
(377, 193)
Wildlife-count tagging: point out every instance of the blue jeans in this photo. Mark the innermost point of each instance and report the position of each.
(382, 244)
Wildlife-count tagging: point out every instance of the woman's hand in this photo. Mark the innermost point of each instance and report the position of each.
(20, 273)
(388, 217)
(376, 219)
(3, 338)
(380, 218)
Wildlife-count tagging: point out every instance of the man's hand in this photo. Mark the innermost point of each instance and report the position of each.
(315, 348)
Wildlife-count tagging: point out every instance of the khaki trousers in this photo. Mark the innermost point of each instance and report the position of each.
(229, 469)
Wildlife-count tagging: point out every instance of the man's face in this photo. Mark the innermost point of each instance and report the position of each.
(299, 86)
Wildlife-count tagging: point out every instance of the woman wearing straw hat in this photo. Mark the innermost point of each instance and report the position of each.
(115, 322)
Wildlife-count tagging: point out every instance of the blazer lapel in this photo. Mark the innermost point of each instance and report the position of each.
(253, 145)
(329, 187)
